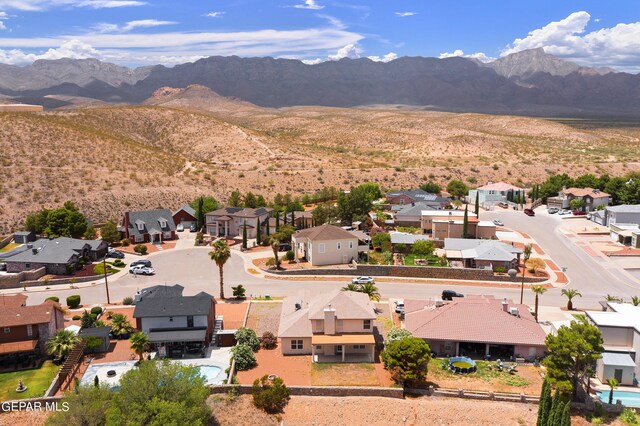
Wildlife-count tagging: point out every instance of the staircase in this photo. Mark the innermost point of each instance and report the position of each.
(216, 328)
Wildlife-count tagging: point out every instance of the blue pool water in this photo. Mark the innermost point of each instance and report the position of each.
(630, 399)
(210, 372)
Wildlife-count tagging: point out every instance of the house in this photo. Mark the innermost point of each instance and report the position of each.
(24, 237)
(59, 256)
(149, 226)
(186, 216)
(414, 196)
(627, 234)
(623, 214)
(301, 220)
(592, 198)
(410, 214)
(327, 245)
(336, 326)
(405, 238)
(620, 328)
(494, 193)
(485, 254)
(229, 221)
(175, 323)
(623, 222)
(24, 330)
(476, 327)
(441, 224)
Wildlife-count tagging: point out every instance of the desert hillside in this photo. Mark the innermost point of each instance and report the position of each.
(116, 158)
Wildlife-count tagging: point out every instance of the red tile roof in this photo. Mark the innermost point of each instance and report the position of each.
(583, 192)
(25, 315)
(13, 300)
(473, 319)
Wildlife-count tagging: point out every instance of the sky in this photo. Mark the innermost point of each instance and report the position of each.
(145, 32)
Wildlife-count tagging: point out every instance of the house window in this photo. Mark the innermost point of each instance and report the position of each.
(27, 265)
(163, 223)
(139, 238)
(7, 329)
(350, 244)
(296, 344)
(318, 347)
(29, 330)
(366, 324)
(189, 320)
(339, 245)
(140, 226)
(358, 346)
(321, 248)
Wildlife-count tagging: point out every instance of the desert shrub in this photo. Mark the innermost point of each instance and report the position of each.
(97, 310)
(126, 242)
(270, 395)
(396, 334)
(54, 298)
(270, 262)
(239, 291)
(247, 336)
(244, 356)
(629, 417)
(290, 255)
(140, 248)
(127, 300)
(73, 301)
(76, 317)
(500, 269)
(268, 340)
(119, 263)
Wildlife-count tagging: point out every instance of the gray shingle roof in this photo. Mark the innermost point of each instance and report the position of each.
(57, 250)
(150, 219)
(414, 210)
(168, 301)
(419, 194)
(625, 208)
(482, 249)
(405, 238)
(240, 212)
(187, 209)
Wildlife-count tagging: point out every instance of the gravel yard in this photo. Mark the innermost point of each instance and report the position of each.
(264, 316)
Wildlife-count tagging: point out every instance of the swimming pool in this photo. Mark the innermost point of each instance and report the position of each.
(210, 372)
(629, 399)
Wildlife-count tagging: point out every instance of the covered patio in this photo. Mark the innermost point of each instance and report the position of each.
(343, 348)
(179, 343)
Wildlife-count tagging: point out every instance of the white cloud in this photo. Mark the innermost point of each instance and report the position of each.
(596, 20)
(309, 4)
(618, 46)
(350, 51)
(38, 5)
(312, 61)
(74, 49)
(480, 56)
(105, 27)
(3, 16)
(405, 14)
(386, 58)
(215, 14)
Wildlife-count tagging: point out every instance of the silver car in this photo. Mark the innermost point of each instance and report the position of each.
(362, 280)
(141, 270)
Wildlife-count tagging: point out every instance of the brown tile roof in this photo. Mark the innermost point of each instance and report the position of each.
(479, 319)
(25, 315)
(583, 192)
(13, 300)
(15, 347)
(324, 232)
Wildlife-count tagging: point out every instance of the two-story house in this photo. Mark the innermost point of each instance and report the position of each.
(414, 196)
(149, 226)
(26, 329)
(230, 221)
(328, 245)
(592, 198)
(175, 323)
(332, 327)
(494, 193)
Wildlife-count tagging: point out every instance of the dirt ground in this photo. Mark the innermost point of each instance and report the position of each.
(233, 313)
(364, 374)
(264, 316)
(294, 369)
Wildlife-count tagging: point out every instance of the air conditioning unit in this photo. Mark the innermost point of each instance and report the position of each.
(439, 303)
(514, 311)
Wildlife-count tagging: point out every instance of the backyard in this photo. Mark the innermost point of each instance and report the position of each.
(349, 374)
(37, 381)
(415, 260)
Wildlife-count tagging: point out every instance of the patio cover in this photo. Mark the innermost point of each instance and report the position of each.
(343, 339)
(177, 336)
(618, 360)
(14, 347)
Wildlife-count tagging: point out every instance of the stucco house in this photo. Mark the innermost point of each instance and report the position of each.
(494, 193)
(485, 254)
(327, 245)
(336, 326)
(592, 198)
(441, 224)
(476, 326)
(149, 226)
(229, 221)
(414, 196)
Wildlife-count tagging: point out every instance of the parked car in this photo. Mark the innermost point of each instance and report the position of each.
(179, 227)
(143, 262)
(141, 270)
(193, 228)
(579, 213)
(563, 212)
(450, 294)
(400, 306)
(553, 210)
(529, 212)
(284, 247)
(362, 280)
(498, 222)
(116, 254)
(503, 205)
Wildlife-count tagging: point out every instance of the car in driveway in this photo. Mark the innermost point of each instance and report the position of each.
(179, 227)
(498, 222)
(578, 213)
(284, 247)
(553, 210)
(362, 280)
(529, 212)
(143, 262)
(450, 294)
(193, 228)
(399, 306)
(141, 270)
(563, 212)
(116, 254)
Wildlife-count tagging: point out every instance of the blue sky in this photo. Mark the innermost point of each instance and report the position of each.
(142, 32)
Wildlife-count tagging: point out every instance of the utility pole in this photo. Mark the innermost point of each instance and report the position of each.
(106, 283)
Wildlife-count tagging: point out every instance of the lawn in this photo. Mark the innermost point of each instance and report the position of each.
(338, 374)
(409, 260)
(37, 381)
(8, 247)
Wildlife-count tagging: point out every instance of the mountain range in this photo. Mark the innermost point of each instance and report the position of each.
(530, 82)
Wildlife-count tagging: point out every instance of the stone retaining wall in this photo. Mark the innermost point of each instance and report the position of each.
(462, 393)
(21, 278)
(339, 391)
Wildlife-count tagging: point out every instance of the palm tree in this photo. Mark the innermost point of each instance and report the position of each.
(635, 300)
(61, 343)
(570, 293)
(538, 290)
(351, 287)
(139, 343)
(120, 325)
(613, 383)
(610, 298)
(220, 254)
(371, 290)
(275, 246)
(526, 254)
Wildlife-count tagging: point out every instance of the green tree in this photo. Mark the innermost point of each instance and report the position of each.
(235, 199)
(526, 254)
(613, 384)
(570, 294)
(88, 406)
(571, 352)
(109, 232)
(358, 202)
(139, 343)
(202, 206)
(387, 257)
(407, 359)
(477, 204)
(61, 343)
(250, 200)
(260, 201)
(397, 333)
(457, 188)
(565, 420)
(238, 291)
(465, 222)
(247, 336)
(380, 238)
(423, 248)
(577, 204)
(587, 181)
(120, 325)
(244, 357)
(220, 254)
(557, 404)
(270, 395)
(325, 213)
(87, 321)
(244, 235)
(370, 290)
(538, 290)
(37, 222)
(545, 404)
(351, 287)
(258, 231)
(90, 233)
(431, 187)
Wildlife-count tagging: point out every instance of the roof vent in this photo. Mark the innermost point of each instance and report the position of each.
(34, 250)
(298, 306)
(439, 303)
(29, 245)
(514, 311)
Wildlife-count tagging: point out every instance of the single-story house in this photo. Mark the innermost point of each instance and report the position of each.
(175, 324)
(592, 198)
(418, 196)
(149, 226)
(410, 214)
(327, 245)
(627, 234)
(485, 254)
(24, 237)
(476, 327)
(337, 326)
(186, 216)
(622, 214)
(59, 256)
(229, 221)
(494, 193)
(405, 238)
(620, 328)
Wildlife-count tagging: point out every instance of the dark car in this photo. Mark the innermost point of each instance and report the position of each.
(579, 213)
(450, 294)
(529, 212)
(193, 228)
(116, 254)
(284, 247)
(143, 262)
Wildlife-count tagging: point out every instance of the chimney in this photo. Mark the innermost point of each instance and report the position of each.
(126, 220)
(329, 320)
(505, 305)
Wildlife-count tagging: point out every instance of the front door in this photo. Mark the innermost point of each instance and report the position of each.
(618, 375)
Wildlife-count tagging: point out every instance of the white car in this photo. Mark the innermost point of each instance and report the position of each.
(141, 270)
(564, 212)
(498, 222)
(399, 306)
(180, 227)
(362, 280)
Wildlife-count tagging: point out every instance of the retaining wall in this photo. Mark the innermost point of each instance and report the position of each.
(339, 391)
(21, 278)
(489, 396)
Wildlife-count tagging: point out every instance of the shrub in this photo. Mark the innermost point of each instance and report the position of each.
(93, 343)
(73, 301)
(396, 334)
(127, 300)
(76, 317)
(96, 310)
(629, 417)
(244, 356)
(239, 291)
(500, 269)
(126, 242)
(247, 336)
(407, 360)
(290, 255)
(119, 263)
(140, 248)
(54, 298)
(270, 395)
(268, 340)
(270, 262)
